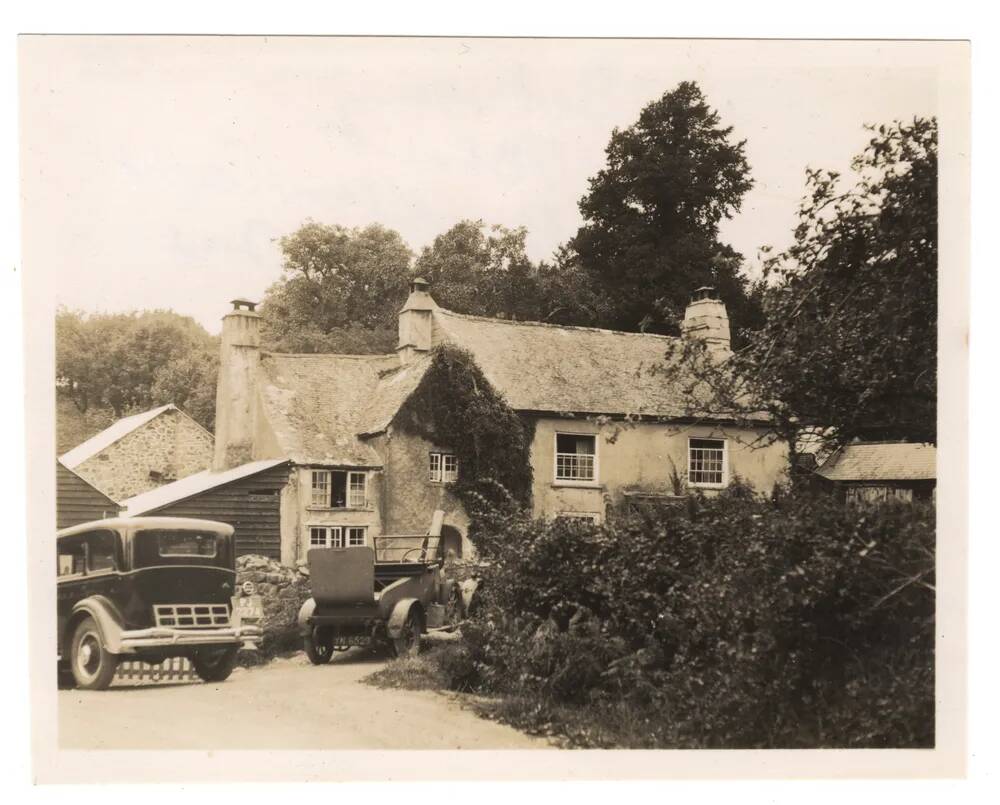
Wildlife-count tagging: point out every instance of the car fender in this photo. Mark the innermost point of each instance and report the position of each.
(107, 617)
(399, 613)
(305, 613)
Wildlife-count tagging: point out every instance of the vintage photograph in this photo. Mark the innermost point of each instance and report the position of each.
(443, 393)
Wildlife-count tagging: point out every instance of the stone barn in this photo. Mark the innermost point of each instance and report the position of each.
(143, 451)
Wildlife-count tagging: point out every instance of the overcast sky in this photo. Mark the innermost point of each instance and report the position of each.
(157, 172)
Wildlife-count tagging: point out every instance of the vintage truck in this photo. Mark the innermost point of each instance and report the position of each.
(390, 593)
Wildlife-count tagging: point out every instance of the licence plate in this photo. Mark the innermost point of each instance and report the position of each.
(248, 608)
(352, 640)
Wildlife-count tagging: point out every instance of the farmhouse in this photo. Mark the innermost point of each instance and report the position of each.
(873, 471)
(315, 441)
(141, 452)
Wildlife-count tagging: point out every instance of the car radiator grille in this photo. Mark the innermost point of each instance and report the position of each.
(191, 616)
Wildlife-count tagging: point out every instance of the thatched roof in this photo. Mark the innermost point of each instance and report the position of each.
(561, 369)
(318, 404)
(321, 407)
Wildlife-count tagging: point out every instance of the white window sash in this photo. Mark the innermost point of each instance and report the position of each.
(576, 467)
(320, 490)
(449, 474)
(357, 490)
(435, 467)
(705, 464)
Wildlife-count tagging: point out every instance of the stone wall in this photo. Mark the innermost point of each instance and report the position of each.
(172, 445)
(283, 590)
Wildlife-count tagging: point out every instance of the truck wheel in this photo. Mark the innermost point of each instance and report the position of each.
(214, 666)
(318, 645)
(408, 642)
(92, 664)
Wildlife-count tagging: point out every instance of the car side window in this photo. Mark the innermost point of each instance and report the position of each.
(71, 556)
(101, 550)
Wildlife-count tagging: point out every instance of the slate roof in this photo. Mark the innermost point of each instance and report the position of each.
(318, 404)
(881, 461)
(192, 485)
(107, 437)
(561, 369)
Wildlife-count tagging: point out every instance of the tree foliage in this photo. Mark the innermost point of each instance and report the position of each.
(128, 362)
(651, 231)
(340, 291)
(485, 271)
(849, 341)
(727, 622)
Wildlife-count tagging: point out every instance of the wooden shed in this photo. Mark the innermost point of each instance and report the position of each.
(78, 501)
(247, 497)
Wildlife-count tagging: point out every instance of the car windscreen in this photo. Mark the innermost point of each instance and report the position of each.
(157, 546)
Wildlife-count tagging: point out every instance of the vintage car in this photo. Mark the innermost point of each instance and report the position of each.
(149, 588)
(389, 594)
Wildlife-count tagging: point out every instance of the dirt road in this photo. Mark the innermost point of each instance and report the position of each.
(288, 704)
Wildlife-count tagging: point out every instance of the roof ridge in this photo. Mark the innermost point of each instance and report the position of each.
(526, 323)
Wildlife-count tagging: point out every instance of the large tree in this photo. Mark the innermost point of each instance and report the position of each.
(849, 341)
(651, 231)
(340, 291)
(482, 270)
(127, 362)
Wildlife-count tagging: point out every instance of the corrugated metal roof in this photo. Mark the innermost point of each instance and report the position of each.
(107, 437)
(193, 485)
(881, 461)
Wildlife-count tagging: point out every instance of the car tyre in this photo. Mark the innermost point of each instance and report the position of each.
(408, 642)
(92, 665)
(215, 666)
(318, 645)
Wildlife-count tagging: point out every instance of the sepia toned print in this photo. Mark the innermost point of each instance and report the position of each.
(546, 419)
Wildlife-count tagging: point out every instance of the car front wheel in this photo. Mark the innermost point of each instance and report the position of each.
(408, 642)
(214, 666)
(92, 665)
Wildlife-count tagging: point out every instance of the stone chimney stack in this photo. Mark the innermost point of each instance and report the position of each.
(416, 322)
(236, 392)
(706, 319)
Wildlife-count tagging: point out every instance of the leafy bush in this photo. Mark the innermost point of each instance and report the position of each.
(732, 621)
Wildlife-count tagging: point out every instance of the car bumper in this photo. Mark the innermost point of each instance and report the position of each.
(246, 636)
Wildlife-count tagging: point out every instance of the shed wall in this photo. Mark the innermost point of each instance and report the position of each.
(79, 502)
(250, 505)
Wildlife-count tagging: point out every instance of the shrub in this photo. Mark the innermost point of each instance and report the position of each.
(736, 621)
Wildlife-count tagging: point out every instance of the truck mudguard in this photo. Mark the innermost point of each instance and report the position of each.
(305, 613)
(399, 613)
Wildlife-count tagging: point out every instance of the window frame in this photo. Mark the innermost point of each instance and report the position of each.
(441, 475)
(725, 463)
(343, 535)
(349, 501)
(556, 480)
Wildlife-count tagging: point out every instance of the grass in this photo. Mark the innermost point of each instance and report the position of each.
(595, 726)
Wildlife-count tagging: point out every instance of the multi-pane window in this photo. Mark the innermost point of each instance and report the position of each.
(339, 489)
(335, 536)
(576, 457)
(443, 467)
(707, 462)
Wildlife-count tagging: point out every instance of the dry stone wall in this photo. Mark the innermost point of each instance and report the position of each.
(283, 590)
(171, 445)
